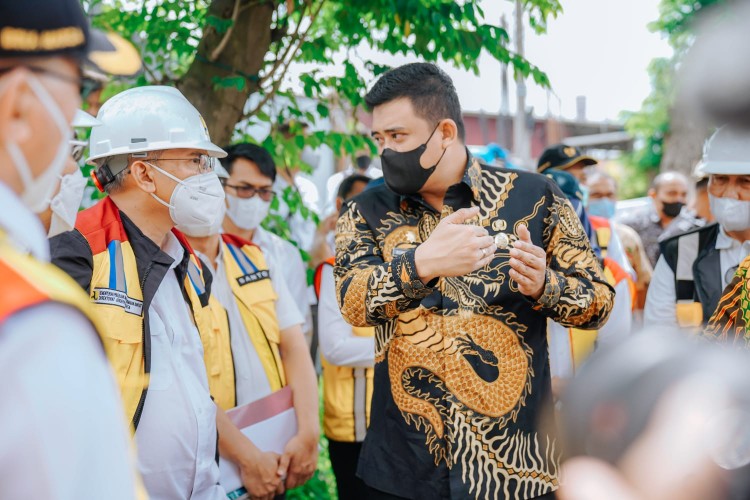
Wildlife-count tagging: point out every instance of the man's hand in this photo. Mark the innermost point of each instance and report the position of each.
(300, 459)
(454, 248)
(261, 475)
(528, 264)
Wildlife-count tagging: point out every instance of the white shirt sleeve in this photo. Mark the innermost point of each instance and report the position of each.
(560, 357)
(295, 274)
(620, 319)
(338, 343)
(287, 312)
(62, 429)
(660, 306)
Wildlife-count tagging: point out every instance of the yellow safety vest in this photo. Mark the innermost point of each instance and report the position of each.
(27, 282)
(117, 298)
(347, 391)
(249, 280)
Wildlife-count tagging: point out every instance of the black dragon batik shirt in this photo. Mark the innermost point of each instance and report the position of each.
(461, 366)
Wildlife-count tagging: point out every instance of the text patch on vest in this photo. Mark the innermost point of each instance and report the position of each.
(117, 298)
(253, 277)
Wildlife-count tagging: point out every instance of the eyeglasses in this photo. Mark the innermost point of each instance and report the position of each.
(77, 81)
(204, 163)
(265, 194)
(77, 148)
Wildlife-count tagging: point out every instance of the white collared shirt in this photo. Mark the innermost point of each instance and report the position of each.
(660, 301)
(285, 259)
(338, 344)
(62, 428)
(251, 381)
(176, 435)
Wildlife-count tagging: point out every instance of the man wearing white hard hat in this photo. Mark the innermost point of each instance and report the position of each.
(155, 160)
(62, 434)
(696, 266)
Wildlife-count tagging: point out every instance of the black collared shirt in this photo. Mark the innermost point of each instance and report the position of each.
(462, 368)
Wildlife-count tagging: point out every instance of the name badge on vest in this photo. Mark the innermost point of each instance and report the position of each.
(253, 277)
(117, 298)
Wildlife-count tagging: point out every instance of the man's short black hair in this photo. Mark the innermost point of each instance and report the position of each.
(347, 185)
(429, 89)
(701, 184)
(252, 152)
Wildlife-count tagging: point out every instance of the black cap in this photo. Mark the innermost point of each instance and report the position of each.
(48, 28)
(561, 157)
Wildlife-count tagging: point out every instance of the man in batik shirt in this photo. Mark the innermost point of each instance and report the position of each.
(458, 265)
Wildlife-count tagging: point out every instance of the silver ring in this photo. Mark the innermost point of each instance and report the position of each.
(484, 252)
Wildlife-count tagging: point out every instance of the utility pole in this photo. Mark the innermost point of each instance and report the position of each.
(520, 136)
(504, 111)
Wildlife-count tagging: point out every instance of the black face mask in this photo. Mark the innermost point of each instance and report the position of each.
(672, 209)
(402, 172)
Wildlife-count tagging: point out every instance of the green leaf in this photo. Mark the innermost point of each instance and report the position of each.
(219, 24)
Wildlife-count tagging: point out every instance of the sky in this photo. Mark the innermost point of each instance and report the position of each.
(596, 48)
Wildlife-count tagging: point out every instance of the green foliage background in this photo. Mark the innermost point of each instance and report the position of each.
(651, 123)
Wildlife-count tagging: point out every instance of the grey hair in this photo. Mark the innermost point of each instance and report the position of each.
(121, 164)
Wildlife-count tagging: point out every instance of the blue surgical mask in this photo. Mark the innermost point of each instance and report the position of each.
(602, 207)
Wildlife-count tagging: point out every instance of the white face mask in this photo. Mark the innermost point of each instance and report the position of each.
(247, 213)
(66, 202)
(203, 230)
(37, 192)
(195, 201)
(733, 215)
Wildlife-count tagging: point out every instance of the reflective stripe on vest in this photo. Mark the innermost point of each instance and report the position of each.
(347, 391)
(688, 311)
(251, 285)
(117, 297)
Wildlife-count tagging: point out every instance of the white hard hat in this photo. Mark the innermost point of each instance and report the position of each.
(149, 119)
(726, 152)
(84, 120)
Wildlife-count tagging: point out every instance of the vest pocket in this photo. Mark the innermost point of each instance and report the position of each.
(689, 313)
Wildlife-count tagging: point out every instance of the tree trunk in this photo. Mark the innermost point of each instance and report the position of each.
(683, 145)
(248, 43)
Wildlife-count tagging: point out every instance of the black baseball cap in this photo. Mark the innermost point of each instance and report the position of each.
(49, 28)
(561, 157)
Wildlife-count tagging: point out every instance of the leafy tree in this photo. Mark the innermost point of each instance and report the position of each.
(667, 139)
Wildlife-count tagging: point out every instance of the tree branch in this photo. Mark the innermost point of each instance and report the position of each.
(295, 37)
(277, 83)
(225, 39)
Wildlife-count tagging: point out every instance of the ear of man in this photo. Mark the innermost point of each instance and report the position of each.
(16, 104)
(143, 176)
